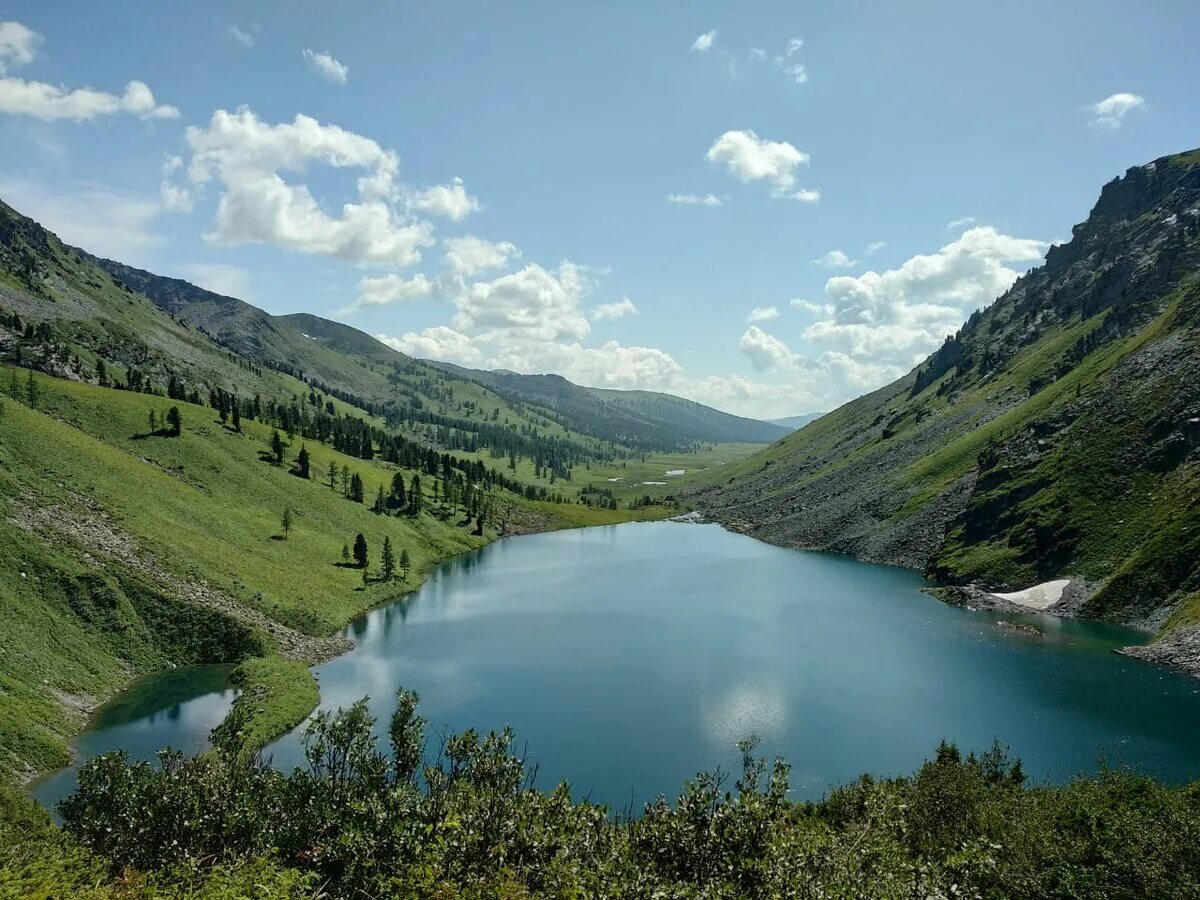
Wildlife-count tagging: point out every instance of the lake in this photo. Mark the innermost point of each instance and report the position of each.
(627, 658)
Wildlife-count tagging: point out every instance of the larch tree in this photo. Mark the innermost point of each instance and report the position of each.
(387, 560)
(360, 551)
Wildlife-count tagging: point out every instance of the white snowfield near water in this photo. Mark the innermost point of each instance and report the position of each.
(1040, 596)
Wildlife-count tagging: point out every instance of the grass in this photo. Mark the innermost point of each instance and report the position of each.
(276, 695)
(207, 508)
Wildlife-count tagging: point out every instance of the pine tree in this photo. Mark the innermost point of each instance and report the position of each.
(174, 421)
(31, 391)
(345, 553)
(405, 563)
(398, 491)
(380, 502)
(286, 521)
(14, 385)
(388, 560)
(332, 474)
(152, 419)
(101, 373)
(277, 448)
(414, 496)
(237, 415)
(302, 463)
(360, 551)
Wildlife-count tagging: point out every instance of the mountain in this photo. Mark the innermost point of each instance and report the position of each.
(353, 362)
(795, 423)
(1056, 434)
(623, 416)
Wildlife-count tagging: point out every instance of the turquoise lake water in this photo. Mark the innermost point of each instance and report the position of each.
(627, 658)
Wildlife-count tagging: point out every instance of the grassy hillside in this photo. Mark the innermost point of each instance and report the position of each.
(1057, 434)
(126, 551)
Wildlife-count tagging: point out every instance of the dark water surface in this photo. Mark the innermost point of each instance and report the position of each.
(627, 658)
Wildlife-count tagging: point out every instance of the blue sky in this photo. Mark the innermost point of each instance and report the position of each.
(502, 185)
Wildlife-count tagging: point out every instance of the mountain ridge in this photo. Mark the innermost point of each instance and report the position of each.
(1055, 435)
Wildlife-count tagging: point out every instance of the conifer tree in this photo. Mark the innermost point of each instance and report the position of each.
(152, 420)
(398, 491)
(380, 502)
(302, 463)
(277, 448)
(414, 496)
(360, 551)
(345, 553)
(332, 474)
(14, 385)
(356, 488)
(174, 421)
(387, 559)
(31, 391)
(405, 563)
(286, 521)
(237, 415)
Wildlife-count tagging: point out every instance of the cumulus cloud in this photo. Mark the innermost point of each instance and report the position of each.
(704, 42)
(326, 66)
(747, 157)
(884, 323)
(385, 290)
(18, 45)
(619, 309)
(439, 342)
(532, 304)
(765, 351)
(763, 314)
(835, 259)
(245, 156)
(468, 256)
(694, 199)
(1110, 112)
(51, 103)
(451, 201)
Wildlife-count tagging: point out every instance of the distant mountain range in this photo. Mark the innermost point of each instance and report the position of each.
(795, 423)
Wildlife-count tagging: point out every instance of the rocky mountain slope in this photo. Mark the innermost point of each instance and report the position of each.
(1057, 434)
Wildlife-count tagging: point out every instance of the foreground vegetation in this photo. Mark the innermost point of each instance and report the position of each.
(465, 822)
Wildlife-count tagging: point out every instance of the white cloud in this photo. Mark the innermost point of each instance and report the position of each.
(1110, 112)
(619, 309)
(175, 198)
(764, 350)
(758, 53)
(875, 246)
(326, 66)
(95, 217)
(882, 324)
(533, 304)
(243, 36)
(794, 46)
(793, 70)
(51, 103)
(440, 343)
(18, 45)
(450, 201)
(705, 41)
(392, 288)
(231, 281)
(467, 256)
(256, 206)
(694, 199)
(763, 314)
(956, 224)
(835, 259)
(749, 158)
